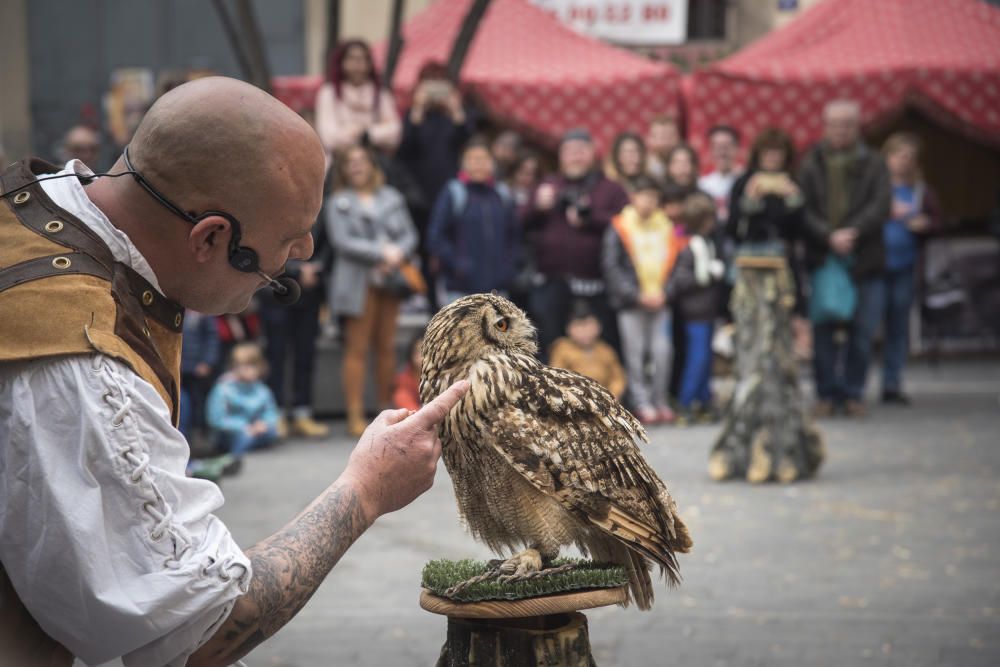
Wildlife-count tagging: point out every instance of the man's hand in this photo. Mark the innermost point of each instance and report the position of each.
(456, 109)
(842, 240)
(392, 464)
(419, 104)
(652, 301)
(308, 275)
(202, 370)
(545, 197)
(395, 459)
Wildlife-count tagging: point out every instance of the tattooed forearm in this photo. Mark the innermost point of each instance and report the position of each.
(288, 567)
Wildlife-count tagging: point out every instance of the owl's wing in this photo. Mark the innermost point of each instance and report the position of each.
(566, 396)
(593, 467)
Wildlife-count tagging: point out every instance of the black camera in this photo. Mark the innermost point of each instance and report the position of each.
(575, 198)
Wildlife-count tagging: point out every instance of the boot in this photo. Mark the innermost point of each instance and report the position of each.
(305, 425)
(356, 422)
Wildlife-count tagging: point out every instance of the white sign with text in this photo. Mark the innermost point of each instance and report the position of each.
(635, 22)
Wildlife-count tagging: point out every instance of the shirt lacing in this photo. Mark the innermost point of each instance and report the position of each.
(156, 506)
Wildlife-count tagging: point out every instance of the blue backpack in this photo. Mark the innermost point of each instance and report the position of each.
(459, 195)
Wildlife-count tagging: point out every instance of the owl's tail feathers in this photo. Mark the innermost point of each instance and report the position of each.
(640, 585)
(650, 542)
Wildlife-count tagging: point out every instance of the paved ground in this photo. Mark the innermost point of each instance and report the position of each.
(890, 557)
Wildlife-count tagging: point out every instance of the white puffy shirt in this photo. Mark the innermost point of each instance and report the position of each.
(113, 550)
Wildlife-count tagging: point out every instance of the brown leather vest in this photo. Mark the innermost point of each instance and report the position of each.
(62, 293)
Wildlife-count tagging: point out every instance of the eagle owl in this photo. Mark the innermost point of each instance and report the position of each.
(542, 457)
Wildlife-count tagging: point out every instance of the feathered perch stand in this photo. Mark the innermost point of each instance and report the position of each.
(766, 434)
(505, 621)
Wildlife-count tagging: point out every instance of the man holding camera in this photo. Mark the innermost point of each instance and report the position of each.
(568, 216)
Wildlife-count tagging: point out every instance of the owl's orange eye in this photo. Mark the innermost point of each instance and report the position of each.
(502, 324)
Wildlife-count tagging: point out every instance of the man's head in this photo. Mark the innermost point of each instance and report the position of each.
(699, 214)
(841, 123)
(477, 162)
(506, 147)
(723, 146)
(583, 327)
(576, 153)
(672, 199)
(645, 196)
(80, 143)
(218, 144)
(663, 135)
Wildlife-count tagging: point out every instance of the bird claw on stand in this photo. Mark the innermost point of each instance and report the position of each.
(520, 564)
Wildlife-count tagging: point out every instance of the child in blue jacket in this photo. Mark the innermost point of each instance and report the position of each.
(241, 407)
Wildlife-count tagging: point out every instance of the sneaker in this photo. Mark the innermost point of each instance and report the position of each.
(896, 398)
(707, 415)
(823, 409)
(683, 418)
(309, 427)
(853, 408)
(647, 416)
(665, 415)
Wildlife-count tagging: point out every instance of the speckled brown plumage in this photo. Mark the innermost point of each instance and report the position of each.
(543, 457)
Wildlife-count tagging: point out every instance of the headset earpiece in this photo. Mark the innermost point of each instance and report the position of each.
(243, 259)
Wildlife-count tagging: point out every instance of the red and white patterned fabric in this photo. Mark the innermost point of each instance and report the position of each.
(529, 71)
(939, 56)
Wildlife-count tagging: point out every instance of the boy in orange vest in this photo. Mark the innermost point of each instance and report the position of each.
(637, 257)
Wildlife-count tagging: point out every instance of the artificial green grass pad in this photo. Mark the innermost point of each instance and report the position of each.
(440, 575)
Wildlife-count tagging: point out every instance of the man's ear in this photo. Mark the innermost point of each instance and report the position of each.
(208, 238)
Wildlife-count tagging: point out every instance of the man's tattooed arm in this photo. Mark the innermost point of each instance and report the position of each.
(392, 464)
(288, 567)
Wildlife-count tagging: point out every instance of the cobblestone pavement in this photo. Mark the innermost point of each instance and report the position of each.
(890, 557)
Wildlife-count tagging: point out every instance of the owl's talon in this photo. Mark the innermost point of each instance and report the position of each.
(518, 565)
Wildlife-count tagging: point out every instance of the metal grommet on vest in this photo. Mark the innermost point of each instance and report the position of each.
(22, 197)
(177, 320)
(145, 330)
(61, 262)
(53, 226)
(147, 298)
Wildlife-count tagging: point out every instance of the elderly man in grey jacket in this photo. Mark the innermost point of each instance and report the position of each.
(847, 198)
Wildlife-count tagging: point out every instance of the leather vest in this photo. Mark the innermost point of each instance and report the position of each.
(63, 293)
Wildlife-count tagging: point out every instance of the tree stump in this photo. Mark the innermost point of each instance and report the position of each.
(766, 434)
(547, 630)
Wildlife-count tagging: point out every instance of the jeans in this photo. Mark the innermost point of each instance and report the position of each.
(240, 442)
(897, 289)
(696, 378)
(551, 305)
(296, 327)
(841, 373)
(646, 335)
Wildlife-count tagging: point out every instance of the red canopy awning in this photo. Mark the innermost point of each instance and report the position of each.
(940, 56)
(530, 71)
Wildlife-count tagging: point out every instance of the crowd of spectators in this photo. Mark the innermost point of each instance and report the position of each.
(624, 263)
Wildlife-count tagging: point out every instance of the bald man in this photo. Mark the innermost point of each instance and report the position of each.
(109, 553)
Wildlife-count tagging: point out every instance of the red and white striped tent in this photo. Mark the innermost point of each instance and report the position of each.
(529, 71)
(941, 57)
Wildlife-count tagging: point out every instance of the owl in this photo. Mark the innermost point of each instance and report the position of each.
(540, 457)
